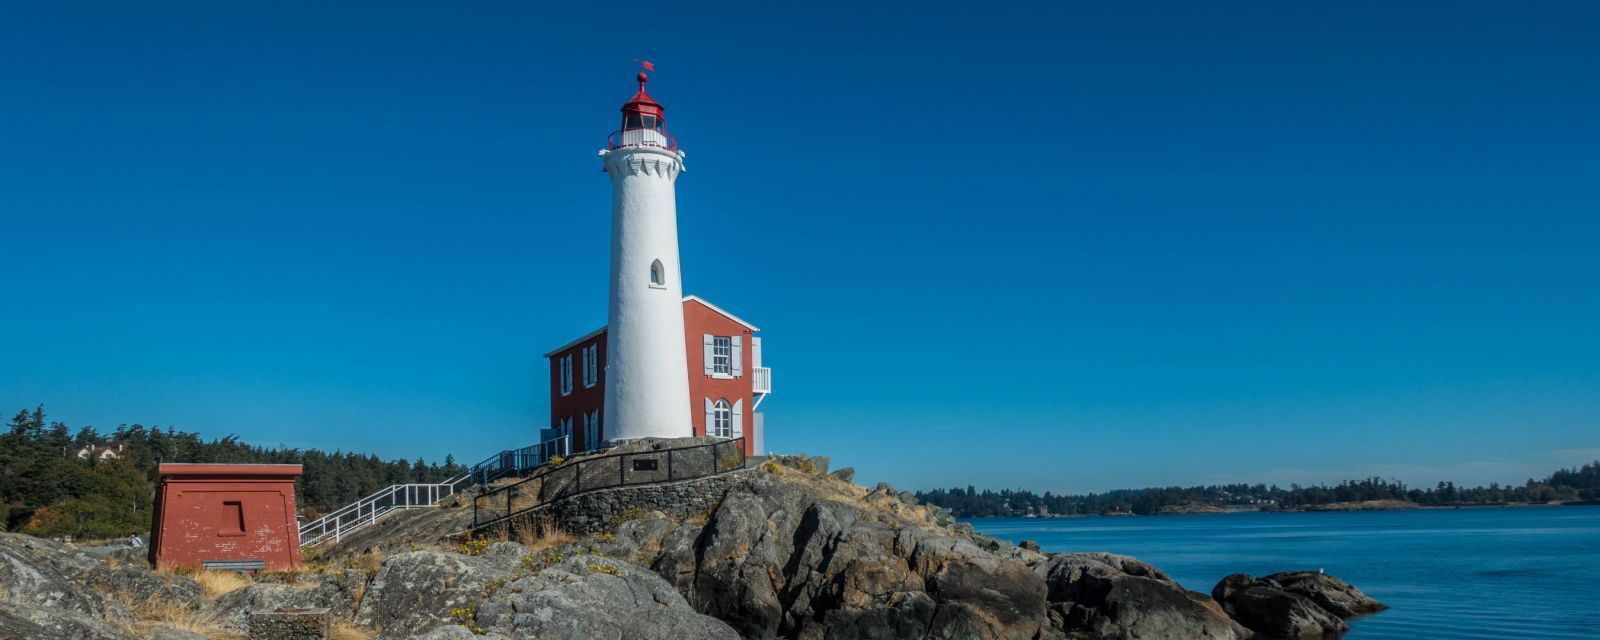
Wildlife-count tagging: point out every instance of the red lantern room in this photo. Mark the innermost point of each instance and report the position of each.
(643, 122)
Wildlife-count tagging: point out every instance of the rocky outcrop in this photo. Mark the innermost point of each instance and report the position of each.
(44, 593)
(587, 596)
(1102, 595)
(1338, 597)
(417, 591)
(1297, 604)
(337, 592)
(781, 558)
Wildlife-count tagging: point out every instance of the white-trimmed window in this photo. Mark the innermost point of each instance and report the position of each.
(565, 366)
(722, 355)
(591, 365)
(721, 425)
(591, 430)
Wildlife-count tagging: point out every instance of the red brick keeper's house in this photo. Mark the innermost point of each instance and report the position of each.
(727, 380)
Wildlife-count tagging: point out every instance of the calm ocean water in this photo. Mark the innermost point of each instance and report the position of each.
(1474, 574)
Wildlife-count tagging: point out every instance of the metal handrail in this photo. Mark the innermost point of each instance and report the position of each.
(518, 461)
(575, 486)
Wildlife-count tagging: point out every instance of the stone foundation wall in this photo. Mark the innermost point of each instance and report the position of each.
(599, 510)
(290, 624)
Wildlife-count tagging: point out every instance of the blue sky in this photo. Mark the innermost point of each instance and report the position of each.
(1058, 246)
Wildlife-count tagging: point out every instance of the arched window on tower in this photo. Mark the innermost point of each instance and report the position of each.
(658, 274)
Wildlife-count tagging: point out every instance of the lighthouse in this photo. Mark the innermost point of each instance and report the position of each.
(646, 392)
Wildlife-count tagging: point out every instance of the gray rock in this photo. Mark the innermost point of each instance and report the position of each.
(1111, 596)
(140, 584)
(588, 596)
(1267, 609)
(34, 623)
(41, 575)
(335, 592)
(847, 474)
(455, 632)
(778, 560)
(416, 591)
(1338, 597)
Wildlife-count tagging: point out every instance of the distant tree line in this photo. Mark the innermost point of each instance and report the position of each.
(47, 489)
(1582, 483)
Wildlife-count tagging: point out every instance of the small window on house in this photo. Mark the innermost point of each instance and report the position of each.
(721, 420)
(565, 366)
(722, 355)
(591, 365)
(658, 274)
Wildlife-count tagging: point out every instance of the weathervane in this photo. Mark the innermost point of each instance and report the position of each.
(644, 65)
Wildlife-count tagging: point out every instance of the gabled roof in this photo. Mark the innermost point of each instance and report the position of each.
(585, 337)
(720, 310)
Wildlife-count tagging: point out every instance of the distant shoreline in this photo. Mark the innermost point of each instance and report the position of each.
(1335, 507)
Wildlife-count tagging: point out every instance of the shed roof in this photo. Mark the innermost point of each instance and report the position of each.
(181, 469)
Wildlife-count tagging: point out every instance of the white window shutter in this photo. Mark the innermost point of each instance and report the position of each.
(710, 350)
(738, 356)
(738, 418)
(711, 416)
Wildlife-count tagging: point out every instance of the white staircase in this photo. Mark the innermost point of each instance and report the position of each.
(372, 509)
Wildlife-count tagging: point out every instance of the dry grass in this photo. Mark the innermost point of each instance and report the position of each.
(347, 631)
(525, 496)
(217, 583)
(547, 538)
(370, 562)
(148, 614)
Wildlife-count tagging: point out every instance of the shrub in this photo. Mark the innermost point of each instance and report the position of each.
(466, 617)
(473, 546)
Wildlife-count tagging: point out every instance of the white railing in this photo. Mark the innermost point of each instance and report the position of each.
(763, 380)
(641, 138)
(368, 511)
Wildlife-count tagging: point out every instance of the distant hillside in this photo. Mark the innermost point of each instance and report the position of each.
(46, 488)
(1582, 483)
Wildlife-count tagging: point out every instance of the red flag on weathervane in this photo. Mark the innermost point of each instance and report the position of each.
(648, 65)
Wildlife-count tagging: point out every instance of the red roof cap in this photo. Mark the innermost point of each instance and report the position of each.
(641, 102)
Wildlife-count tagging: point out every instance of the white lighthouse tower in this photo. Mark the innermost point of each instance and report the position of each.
(647, 393)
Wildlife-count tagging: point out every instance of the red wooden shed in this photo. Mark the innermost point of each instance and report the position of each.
(226, 516)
